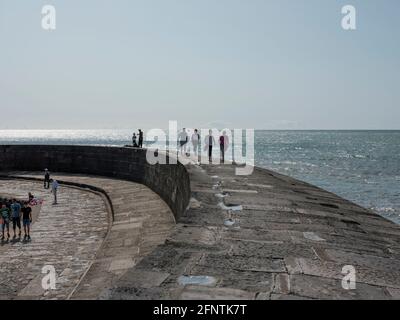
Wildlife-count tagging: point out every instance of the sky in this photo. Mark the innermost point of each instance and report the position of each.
(260, 64)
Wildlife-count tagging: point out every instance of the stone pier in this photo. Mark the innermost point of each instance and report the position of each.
(267, 236)
(194, 232)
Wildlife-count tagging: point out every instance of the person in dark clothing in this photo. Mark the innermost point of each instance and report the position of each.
(209, 142)
(27, 220)
(46, 179)
(223, 145)
(140, 138)
(134, 138)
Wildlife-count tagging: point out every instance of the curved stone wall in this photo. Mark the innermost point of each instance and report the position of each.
(171, 182)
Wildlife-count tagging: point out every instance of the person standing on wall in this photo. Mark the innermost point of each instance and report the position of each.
(195, 141)
(183, 139)
(46, 179)
(140, 138)
(54, 189)
(223, 145)
(134, 138)
(209, 142)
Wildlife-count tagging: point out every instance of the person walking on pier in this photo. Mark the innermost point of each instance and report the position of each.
(16, 217)
(209, 142)
(183, 139)
(195, 141)
(140, 138)
(54, 189)
(27, 220)
(46, 179)
(5, 219)
(223, 145)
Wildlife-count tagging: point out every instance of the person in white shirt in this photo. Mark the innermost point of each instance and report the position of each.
(54, 189)
(195, 141)
(209, 142)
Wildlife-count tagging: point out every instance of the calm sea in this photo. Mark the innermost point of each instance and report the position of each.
(362, 166)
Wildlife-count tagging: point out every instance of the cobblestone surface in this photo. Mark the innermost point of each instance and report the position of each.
(142, 221)
(263, 236)
(66, 236)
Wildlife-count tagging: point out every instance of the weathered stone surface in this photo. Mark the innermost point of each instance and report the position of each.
(135, 231)
(66, 236)
(145, 279)
(328, 288)
(205, 293)
(289, 240)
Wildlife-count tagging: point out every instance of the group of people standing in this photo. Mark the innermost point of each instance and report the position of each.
(12, 212)
(209, 143)
(137, 140)
(184, 146)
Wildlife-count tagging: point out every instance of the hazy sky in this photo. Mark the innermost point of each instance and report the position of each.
(270, 64)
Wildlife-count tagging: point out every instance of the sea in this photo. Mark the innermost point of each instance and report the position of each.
(361, 166)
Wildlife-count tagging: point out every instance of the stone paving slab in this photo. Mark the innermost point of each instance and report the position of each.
(66, 236)
(289, 240)
(265, 236)
(142, 221)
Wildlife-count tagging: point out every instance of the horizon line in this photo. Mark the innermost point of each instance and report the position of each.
(255, 129)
